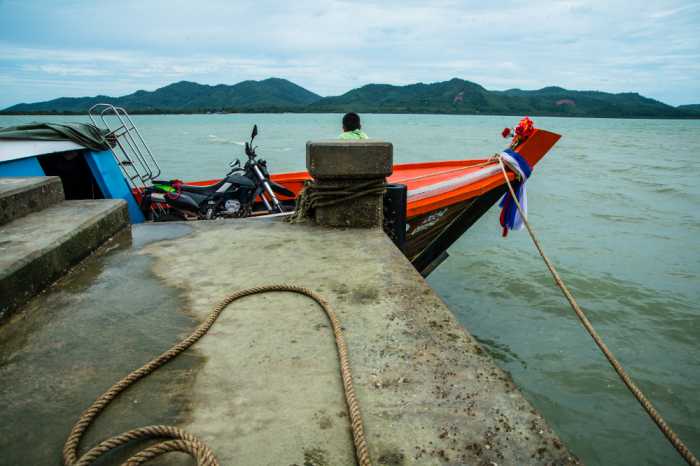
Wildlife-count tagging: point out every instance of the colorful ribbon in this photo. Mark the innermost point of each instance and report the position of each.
(510, 217)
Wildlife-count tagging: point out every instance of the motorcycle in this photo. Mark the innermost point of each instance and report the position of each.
(236, 195)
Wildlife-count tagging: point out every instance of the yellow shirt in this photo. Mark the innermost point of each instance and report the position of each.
(356, 134)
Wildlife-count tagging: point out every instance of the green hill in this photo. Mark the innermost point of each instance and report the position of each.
(693, 109)
(271, 94)
(465, 97)
(455, 96)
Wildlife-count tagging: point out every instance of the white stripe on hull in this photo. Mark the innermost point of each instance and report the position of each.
(469, 178)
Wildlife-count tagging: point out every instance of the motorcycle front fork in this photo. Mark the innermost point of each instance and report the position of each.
(268, 190)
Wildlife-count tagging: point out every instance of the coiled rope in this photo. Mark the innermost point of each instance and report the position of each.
(643, 400)
(175, 439)
(316, 195)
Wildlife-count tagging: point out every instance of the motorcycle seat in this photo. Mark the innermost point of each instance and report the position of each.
(202, 189)
(191, 188)
(237, 180)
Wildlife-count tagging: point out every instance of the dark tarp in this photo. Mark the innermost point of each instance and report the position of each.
(84, 134)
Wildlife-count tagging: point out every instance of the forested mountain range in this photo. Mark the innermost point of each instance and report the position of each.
(456, 96)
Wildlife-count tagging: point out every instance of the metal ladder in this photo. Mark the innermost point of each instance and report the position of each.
(133, 156)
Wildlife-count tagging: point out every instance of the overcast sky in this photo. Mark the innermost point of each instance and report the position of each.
(57, 48)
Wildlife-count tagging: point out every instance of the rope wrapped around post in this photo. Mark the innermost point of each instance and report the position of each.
(316, 195)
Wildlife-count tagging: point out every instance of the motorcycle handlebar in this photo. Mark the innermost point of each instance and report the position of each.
(249, 150)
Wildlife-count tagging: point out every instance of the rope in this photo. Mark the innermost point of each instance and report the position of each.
(175, 439)
(641, 398)
(317, 195)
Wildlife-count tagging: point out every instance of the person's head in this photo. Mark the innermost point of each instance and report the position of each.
(351, 122)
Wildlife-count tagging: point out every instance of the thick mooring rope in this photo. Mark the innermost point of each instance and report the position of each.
(643, 400)
(324, 195)
(175, 439)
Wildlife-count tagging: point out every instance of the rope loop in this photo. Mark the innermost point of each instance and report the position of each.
(175, 439)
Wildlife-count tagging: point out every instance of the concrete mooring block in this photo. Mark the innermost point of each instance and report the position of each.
(350, 166)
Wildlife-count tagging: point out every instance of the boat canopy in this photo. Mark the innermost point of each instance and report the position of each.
(87, 135)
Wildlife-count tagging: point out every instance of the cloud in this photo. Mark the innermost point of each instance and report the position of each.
(67, 70)
(673, 11)
(332, 46)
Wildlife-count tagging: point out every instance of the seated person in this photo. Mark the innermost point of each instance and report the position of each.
(352, 129)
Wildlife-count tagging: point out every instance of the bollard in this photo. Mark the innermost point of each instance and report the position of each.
(344, 164)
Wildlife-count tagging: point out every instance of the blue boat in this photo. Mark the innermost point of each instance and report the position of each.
(89, 167)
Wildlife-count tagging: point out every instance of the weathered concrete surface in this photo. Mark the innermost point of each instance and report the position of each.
(269, 392)
(340, 165)
(69, 344)
(349, 159)
(263, 387)
(20, 196)
(37, 248)
(361, 212)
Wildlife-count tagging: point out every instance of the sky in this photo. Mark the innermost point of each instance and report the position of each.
(73, 48)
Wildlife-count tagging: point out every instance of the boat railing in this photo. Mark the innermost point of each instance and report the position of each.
(133, 155)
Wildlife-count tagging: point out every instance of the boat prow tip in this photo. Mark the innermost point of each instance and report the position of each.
(537, 145)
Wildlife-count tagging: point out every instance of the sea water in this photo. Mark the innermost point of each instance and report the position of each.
(616, 206)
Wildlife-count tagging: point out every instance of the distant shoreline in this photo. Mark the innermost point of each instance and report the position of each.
(297, 111)
(453, 97)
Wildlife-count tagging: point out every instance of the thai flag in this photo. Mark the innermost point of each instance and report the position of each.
(510, 217)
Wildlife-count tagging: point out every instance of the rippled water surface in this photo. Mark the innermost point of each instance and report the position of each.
(616, 205)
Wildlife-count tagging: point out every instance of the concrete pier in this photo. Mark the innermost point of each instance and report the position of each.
(262, 388)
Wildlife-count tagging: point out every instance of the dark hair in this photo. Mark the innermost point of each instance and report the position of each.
(351, 121)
